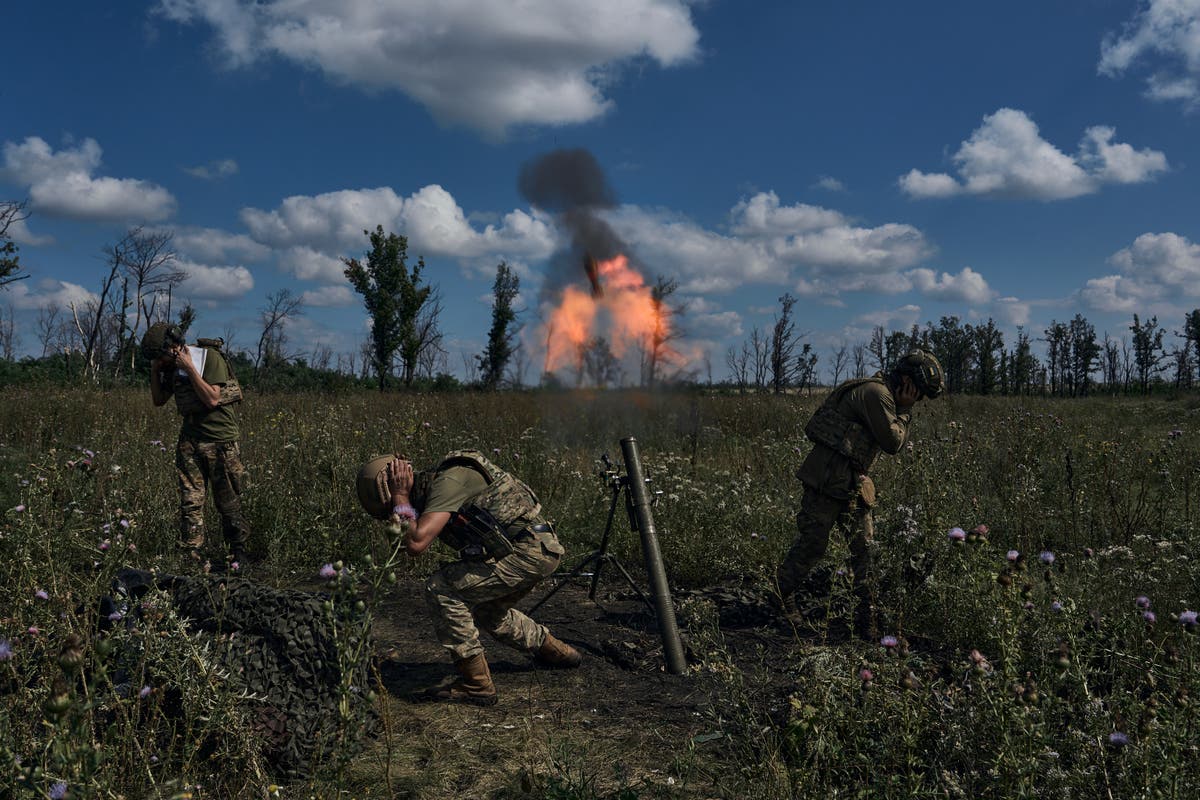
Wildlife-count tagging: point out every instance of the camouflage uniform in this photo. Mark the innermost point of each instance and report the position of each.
(857, 421)
(479, 590)
(207, 454)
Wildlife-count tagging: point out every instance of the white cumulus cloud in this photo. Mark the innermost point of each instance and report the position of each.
(1165, 33)
(212, 244)
(1007, 156)
(63, 184)
(328, 297)
(49, 292)
(214, 283)
(485, 65)
(333, 223)
(968, 286)
(213, 170)
(1156, 267)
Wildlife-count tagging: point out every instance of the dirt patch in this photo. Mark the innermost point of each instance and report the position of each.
(619, 720)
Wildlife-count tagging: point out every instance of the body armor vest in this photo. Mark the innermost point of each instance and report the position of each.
(186, 399)
(830, 428)
(506, 498)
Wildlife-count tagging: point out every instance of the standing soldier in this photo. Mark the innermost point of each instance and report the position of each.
(505, 548)
(860, 418)
(207, 452)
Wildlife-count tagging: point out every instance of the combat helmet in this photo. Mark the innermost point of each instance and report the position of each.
(158, 337)
(371, 486)
(925, 370)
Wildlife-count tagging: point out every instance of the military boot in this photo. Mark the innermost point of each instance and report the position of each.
(557, 654)
(474, 684)
(785, 600)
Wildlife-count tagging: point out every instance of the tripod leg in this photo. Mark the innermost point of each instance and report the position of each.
(632, 583)
(565, 579)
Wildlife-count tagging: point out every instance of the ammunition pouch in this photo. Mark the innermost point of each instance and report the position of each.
(476, 534)
(830, 428)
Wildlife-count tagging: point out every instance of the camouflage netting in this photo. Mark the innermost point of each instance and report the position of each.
(279, 645)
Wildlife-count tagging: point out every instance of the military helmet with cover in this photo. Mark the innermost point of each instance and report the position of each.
(374, 495)
(924, 369)
(159, 337)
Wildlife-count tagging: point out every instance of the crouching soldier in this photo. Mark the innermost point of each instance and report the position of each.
(207, 453)
(859, 419)
(505, 548)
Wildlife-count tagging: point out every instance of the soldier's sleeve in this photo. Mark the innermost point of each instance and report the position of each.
(886, 424)
(452, 487)
(216, 372)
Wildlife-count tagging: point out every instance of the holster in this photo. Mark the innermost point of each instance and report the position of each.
(484, 536)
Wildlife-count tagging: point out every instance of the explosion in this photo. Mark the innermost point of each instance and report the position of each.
(620, 304)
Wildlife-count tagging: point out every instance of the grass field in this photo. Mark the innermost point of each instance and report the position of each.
(1053, 655)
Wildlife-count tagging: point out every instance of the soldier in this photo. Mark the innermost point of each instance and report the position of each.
(505, 548)
(207, 452)
(860, 418)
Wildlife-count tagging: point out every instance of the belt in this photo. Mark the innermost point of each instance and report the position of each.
(527, 531)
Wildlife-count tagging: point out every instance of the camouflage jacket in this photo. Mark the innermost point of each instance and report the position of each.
(856, 422)
(505, 497)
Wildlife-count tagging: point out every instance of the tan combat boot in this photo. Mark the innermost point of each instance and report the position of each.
(557, 654)
(474, 684)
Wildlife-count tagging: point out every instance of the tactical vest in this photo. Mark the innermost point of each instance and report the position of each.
(186, 399)
(832, 429)
(506, 498)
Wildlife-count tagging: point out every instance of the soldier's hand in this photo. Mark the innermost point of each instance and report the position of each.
(907, 394)
(183, 359)
(400, 477)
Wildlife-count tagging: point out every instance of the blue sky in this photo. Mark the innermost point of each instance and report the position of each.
(885, 163)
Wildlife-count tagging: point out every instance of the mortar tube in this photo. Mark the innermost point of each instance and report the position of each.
(659, 589)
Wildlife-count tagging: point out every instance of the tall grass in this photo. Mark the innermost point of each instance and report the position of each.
(1023, 663)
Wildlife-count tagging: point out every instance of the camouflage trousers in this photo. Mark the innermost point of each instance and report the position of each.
(468, 595)
(818, 515)
(199, 466)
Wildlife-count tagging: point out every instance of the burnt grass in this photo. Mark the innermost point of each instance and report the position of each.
(620, 725)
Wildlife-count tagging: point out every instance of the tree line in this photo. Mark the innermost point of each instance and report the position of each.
(977, 360)
(96, 340)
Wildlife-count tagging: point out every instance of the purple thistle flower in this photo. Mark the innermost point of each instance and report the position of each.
(1188, 618)
(115, 616)
(1056, 607)
(1046, 557)
(89, 453)
(144, 692)
(41, 594)
(866, 675)
(957, 535)
(1149, 617)
(124, 523)
(1142, 601)
(328, 571)
(1118, 739)
(889, 641)
(6, 651)
(1013, 555)
(58, 790)
(19, 508)
(104, 545)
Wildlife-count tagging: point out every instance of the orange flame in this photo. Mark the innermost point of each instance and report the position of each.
(625, 313)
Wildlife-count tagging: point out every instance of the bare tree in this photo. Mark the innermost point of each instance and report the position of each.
(518, 366)
(785, 365)
(859, 355)
(146, 261)
(12, 212)
(9, 340)
(877, 348)
(49, 327)
(738, 362)
(599, 364)
(841, 360)
(281, 306)
(90, 324)
(321, 357)
(655, 348)
(761, 353)
(427, 351)
(470, 368)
